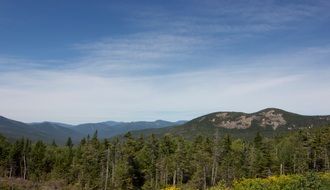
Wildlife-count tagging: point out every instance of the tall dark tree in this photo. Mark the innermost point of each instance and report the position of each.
(37, 161)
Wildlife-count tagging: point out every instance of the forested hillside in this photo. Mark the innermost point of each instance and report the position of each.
(49, 131)
(156, 163)
(269, 122)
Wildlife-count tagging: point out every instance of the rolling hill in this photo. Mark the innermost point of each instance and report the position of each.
(269, 122)
(45, 131)
(49, 131)
(113, 128)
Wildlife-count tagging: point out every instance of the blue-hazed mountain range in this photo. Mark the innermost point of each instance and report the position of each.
(49, 131)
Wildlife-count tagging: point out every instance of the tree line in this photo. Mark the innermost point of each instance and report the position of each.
(157, 162)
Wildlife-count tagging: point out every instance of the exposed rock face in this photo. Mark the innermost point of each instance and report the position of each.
(242, 122)
(228, 120)
(271, 118)
(222, 115)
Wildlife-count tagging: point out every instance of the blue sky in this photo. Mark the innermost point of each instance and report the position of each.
(88, 61)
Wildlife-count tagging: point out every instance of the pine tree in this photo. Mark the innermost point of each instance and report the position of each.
(37, 164)
(4, 152)
(69, 143)
(263, 163)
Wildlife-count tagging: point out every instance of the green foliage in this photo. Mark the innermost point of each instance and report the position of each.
(207, 125)
(38, 161)
(156, 163)
(4, 153)
(311, 181)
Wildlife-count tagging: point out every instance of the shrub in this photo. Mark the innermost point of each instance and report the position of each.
(172, 188)
(309, 181)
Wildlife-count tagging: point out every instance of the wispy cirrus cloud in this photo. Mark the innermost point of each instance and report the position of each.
(88, 95)
(147, 46)
(178, 64)
(140, 53)
(218, 17)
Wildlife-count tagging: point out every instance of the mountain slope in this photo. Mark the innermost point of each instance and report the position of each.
(109, 129)
(35, 131)
(49, 131)
(270, 122)
(15, 129)
(57, 132)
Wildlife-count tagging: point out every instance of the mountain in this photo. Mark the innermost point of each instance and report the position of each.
(269, 122)
(49, 131)
(57, 131)
(111, 128)
(45, 131)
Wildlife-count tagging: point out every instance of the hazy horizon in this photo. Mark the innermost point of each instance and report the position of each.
(77, 62)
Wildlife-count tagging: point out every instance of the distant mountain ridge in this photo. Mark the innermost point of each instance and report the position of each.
(49, 131)
(270, 121)
(112, 128)
(270, 117)
(36, 131)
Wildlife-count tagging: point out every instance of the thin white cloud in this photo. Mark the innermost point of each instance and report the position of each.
(76, 96)
(214, 17)
(138, 53)
(175, 71)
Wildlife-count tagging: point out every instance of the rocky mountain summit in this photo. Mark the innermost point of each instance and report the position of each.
(270, 121)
